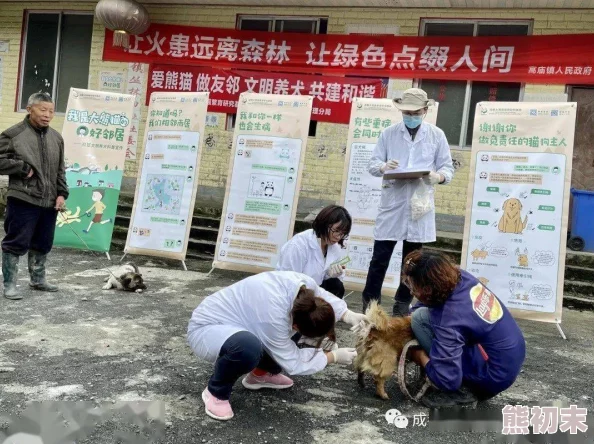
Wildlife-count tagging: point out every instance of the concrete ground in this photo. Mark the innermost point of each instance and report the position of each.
(85, 344)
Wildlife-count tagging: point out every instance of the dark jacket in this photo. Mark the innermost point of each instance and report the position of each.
(470, 317)
(22, 148)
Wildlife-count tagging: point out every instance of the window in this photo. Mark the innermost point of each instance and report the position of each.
(303, 25)
(457, 98)
(56, 55)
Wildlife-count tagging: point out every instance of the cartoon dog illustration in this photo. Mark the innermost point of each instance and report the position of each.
(522, 258)
(479, 254)
(68, 217)
(511, 221)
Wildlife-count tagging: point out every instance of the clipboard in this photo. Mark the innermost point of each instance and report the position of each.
(405, 174)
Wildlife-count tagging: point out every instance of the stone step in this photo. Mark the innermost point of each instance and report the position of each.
(583, 274)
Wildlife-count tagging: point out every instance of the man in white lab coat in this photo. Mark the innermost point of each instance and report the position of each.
(410, 144)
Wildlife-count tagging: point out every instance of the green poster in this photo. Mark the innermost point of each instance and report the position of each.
(96, 132)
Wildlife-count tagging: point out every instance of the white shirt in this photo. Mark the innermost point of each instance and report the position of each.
(303, 254)
(429, 150)
(260, 304)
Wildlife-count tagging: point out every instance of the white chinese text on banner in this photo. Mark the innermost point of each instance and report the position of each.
(361, 191)
(265, 172)
(95, 132)
(168, 175)
(518, 201)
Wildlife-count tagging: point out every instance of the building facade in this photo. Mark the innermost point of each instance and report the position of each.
(58, 45)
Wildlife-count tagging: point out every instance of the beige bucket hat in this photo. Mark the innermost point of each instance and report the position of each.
(413, 99)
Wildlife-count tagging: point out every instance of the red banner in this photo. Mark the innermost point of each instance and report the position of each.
(565, 59)
(332, 95)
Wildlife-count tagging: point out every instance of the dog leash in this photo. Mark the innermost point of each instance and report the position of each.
(61, 212)
(401, 374)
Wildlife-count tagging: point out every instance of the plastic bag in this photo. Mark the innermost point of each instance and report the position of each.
(421, 201)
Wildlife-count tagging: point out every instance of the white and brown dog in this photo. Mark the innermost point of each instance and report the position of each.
(126, 278)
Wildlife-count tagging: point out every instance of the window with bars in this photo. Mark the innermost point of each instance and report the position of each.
(303, 25)
(56, 53)
(457, 99)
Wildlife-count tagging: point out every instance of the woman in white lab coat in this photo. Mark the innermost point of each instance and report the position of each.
(248, 328)
(315, 252)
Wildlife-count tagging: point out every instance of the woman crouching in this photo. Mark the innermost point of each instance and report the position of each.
(251, 327)
(471, 347)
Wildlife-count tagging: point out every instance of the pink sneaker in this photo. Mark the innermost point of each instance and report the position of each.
(216, 408)
(268, 380)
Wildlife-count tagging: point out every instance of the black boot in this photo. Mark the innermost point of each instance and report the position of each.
(436, 399)
(10, 270)
(37, 272)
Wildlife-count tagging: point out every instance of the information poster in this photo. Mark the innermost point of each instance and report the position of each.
(95, 132)
(518, 201)
(361, 191)
(114, 81)
(168, 175)
(265, 172)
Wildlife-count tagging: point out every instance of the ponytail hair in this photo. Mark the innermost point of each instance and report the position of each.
(313, 316)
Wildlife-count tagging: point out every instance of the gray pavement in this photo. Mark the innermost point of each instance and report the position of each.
(85, 344)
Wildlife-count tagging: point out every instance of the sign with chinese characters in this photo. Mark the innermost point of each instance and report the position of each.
(332, 95)
(135, 86)
(95, 132)
(114, 81)
(562, 59)
(361, 191)
(265, 172)
(518, 203)
(168, 175)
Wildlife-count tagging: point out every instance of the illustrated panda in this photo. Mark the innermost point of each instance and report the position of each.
(485, 157)
(269, 189)
(483, 175)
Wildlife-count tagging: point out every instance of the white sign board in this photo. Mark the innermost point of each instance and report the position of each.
(361, 191)
(268, 154)
(168, 175)
(518, 200)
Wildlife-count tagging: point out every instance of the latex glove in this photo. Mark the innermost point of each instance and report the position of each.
(432, 178)
(344, 356)
(389, 165)
(350, 317)
(334, 271)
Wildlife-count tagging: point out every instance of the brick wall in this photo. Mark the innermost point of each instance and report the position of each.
(325, 159)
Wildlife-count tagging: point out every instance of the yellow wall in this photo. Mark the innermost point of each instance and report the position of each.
(324, 164)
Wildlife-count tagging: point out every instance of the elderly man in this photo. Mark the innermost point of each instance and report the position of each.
(410, 144)
(32, 155)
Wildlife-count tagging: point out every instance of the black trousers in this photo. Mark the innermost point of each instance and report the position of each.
(28, 227)
(240, 354)
(382, 252)
(334, 286)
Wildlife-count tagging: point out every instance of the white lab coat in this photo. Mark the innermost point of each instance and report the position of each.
(303, 254)
(260, 304)
(429, 150)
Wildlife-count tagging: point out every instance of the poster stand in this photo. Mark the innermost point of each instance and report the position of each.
(518, 205)
(166, 185)
(185, 267)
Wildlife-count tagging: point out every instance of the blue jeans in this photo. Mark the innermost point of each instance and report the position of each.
(240, 354)
(421, 326)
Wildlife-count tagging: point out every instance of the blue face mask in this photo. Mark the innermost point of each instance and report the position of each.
(412, 121)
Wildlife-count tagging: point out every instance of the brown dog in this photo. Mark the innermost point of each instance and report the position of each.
(511, 221)
(379, 347)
